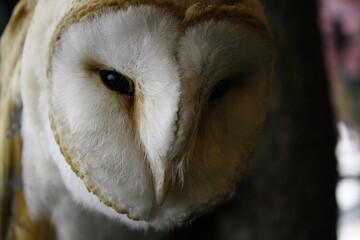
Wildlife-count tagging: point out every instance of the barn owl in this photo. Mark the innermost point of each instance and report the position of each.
(128, 112)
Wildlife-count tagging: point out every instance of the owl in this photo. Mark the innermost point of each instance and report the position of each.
(127, 112)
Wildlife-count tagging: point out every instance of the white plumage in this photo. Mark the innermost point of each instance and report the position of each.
(168, 143)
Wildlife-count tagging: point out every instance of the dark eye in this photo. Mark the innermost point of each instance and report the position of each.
(117, 82)
(220, 89)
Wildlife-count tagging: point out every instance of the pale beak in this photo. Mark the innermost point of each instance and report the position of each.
(164, 186)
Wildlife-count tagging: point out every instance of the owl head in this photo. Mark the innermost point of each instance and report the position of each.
(156, 106)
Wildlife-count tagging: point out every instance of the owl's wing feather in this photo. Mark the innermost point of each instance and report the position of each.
(15, 222)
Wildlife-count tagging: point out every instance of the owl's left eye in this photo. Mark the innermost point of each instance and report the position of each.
(117, 82)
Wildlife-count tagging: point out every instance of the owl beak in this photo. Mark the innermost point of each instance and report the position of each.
(164, 186)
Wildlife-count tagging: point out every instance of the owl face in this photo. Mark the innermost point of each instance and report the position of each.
(157, 116)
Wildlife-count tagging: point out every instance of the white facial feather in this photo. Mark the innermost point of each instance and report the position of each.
(165, 155)
(96, 126)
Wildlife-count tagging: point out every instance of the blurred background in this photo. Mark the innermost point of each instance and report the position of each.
(304, 179)
(340, 27)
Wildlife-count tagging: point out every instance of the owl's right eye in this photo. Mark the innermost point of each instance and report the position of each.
(220, 89)
(117, 82)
